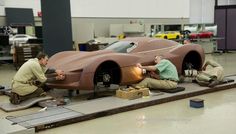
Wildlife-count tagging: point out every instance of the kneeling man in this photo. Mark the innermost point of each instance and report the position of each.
(27, 82)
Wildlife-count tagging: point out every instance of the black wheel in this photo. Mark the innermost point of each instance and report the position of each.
(165, 37)
(177, 37)
(107, 73)
(104, 76)
(7, 30)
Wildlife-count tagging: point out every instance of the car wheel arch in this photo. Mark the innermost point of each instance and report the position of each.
(192, 60)
(108, 67)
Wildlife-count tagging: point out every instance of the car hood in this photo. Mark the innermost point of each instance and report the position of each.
(75, 60)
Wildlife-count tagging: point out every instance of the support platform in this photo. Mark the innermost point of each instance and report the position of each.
(91, 109)
(8, 107)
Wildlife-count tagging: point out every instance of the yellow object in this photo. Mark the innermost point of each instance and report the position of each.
(121, 36)
(168, 35)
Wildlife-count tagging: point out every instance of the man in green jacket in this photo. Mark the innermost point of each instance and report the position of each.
(167, 72)
(24, 83)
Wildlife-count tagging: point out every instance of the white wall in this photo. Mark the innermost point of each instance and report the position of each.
(226, 2)
(199, 11)
(130, 8)
(202, 11)
(115, 8)
(2, 2)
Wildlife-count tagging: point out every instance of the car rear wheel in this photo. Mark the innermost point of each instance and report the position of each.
(165, 37)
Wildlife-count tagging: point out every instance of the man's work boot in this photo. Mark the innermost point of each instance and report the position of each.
(15, 98)
(203, 83)
(213, 83)
(2, 87)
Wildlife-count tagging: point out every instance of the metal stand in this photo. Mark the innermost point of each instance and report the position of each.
(95, 93)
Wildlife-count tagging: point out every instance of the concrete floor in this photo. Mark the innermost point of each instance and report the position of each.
(218, 115)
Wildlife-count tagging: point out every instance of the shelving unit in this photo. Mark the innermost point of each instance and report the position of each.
(24, 53)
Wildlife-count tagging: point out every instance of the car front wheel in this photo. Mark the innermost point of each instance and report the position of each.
(107, 73)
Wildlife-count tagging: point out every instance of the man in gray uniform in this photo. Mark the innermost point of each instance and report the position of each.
(24, 83)
(210, 76)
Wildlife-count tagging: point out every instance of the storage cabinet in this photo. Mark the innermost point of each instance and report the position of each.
(24, 53)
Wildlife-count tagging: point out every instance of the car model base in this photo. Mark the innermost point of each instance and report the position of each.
(79, 111)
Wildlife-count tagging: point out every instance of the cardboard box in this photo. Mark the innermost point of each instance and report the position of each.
(132, 93)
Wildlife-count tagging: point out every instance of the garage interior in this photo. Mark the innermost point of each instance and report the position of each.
(64, 24)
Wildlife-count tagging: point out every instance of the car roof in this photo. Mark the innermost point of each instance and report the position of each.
(144, 42)
(139, 39)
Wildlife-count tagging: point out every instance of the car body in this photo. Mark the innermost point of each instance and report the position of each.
(117, 63)
(20, 38)
(202, 34)
(168, 35)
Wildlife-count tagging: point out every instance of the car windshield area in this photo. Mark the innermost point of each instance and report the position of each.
(122, 46)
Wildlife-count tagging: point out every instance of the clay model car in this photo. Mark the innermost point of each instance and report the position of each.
(168, 35)
(116, 64)
(202, 34)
